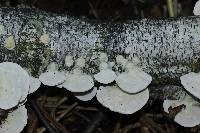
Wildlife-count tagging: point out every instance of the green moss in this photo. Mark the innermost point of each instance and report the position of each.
(35, 56)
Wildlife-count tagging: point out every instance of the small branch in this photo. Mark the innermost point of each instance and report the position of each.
(94, 123)
(32, 121)
(153, 124)
(130, 127)
(117, 127)
(170, 8)
(41, 117)
(66, 111)
(58, 104)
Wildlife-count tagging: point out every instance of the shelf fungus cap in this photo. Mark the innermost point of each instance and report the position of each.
(52, 78)
(44, 38)
(78, 82)
(121, 60)
(188, 116)
(119, 101)
(80, 62)
(15, 121)
(191, 83)
(103, 57)
(86, 96)
(106, 75)
(196, 10)
(9, 43)
(14, 84)
(69, 60)
(53, 66)
(2, 29)
(9, 95)
(133, 80)
(34, 84)
(135, 60)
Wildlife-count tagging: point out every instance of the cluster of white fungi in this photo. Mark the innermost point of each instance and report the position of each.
(124, 92)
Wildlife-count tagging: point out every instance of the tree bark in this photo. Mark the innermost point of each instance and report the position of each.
(167, 48)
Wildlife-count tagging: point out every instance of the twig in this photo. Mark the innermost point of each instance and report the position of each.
(59, 103)
(53, 122)
(170, 8)
(174, 111)
(66, 111)
(41, 130)
(129, 127)
(82, 116)
(94, 123)
(145, 130)
(94, 12)
(148, 126)
(41, 117)
(153, 124)
(66, 106)
(171, 127)
(32, 121)
(117, 127)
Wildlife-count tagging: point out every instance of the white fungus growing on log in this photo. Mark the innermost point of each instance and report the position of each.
(119, 101)
(14, 80)
(52, 76)
(133, 80)
(77, 81)
(189, 116)
(45, 39)
(196, 10)
(191, 83)
(34, 84)
(106, 74)
(9, 43)
(15, 121)
(86, 96)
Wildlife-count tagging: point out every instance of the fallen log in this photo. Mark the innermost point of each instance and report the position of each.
(167, 48)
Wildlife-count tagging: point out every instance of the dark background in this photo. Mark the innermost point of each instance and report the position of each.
(112, 10)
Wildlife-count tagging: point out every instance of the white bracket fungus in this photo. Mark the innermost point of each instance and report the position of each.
(133, 80)
(2, 29)
(106, 74)
(69, 61)
(52, 66)
(9, 43)
(119, 101)
(44, 38)
(135, 60)
(191, 83)
(34, 84)
(77, 81)
(86, 96)
(14, 85)
(188, 116)
(121, 60)
(9, 95)
(52, 77)
(196, 10)
(15, 121)
(103, 57)
(80, 62)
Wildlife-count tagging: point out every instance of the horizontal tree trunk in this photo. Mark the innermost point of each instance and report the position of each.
(167, 48)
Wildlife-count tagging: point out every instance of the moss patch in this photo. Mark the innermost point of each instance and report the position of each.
(33, 56)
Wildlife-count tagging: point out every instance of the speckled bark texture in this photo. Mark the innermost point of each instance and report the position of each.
(167, 48)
